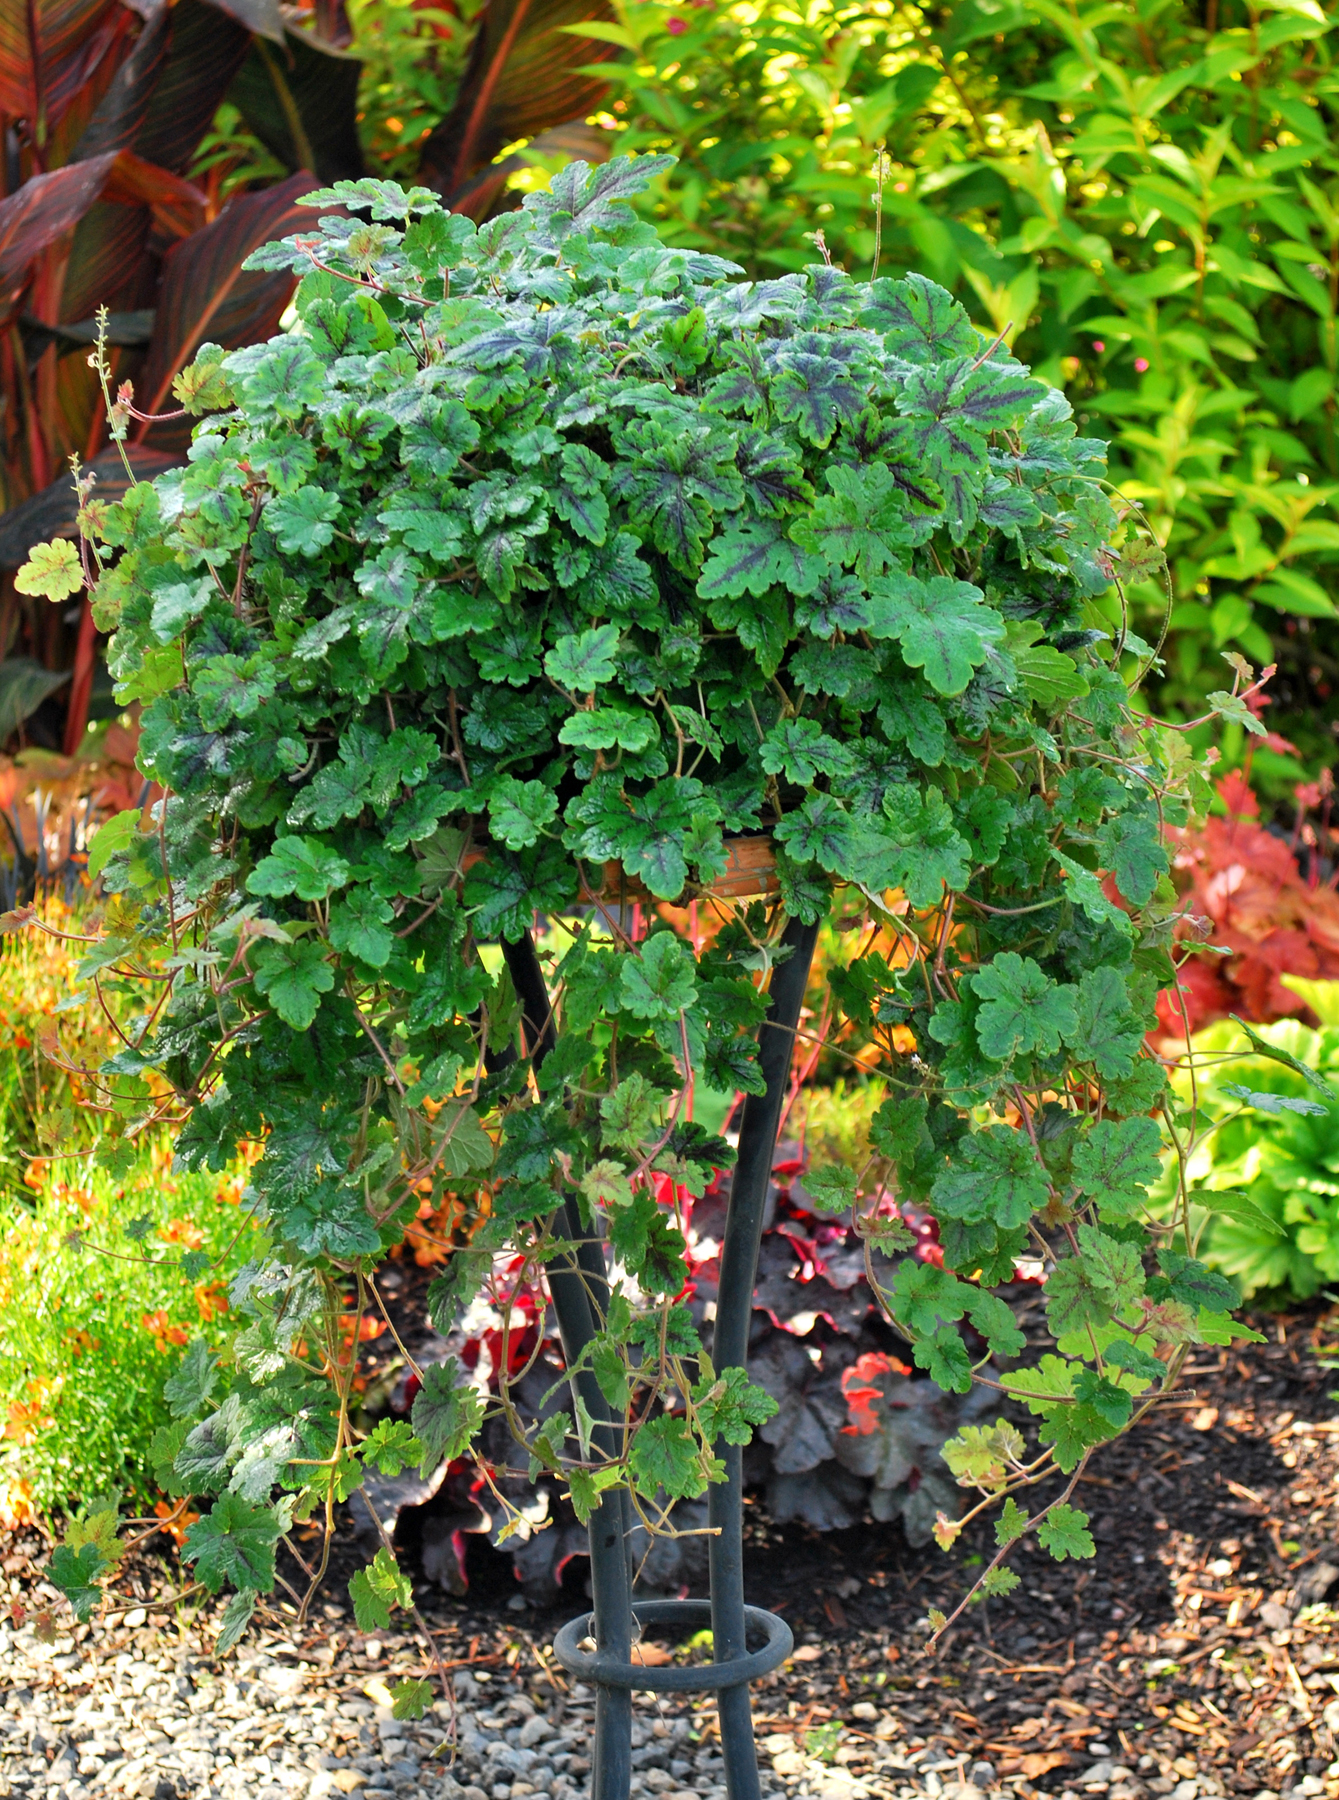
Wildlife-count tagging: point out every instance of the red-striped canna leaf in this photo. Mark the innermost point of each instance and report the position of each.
(206, 50)
(109, 43)
(264, 17)
(524, 76)
(106, 266)
(302, 103)
(40, 212)
(124, 107)
(48, 206)
(332, 24)
(40, 81)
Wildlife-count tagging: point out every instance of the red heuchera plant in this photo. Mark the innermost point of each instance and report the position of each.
(1250, 892)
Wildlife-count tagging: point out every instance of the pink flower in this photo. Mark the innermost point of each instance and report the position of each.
(676, 27)
(1098, 345)
(1141, 363)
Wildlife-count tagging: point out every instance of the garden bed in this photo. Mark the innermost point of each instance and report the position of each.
(1199, 1654)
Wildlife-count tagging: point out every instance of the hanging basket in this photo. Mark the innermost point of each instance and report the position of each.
(750, 873)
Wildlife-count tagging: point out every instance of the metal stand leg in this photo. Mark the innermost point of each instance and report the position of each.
(580, 1288)
(579, 1285)
(734, 1314)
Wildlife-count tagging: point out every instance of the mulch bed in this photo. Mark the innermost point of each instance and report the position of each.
(1199, 1635)
(1198, 1642)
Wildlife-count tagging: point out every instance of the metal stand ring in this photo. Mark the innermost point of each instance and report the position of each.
(607, 1671)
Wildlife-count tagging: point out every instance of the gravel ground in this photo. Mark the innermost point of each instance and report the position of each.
(1198, 1657)
(151, 1719)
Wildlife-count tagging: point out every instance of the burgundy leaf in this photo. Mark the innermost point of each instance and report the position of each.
(43, 80)
(125, 105)
(523, 76)
(206, 50)
(264, 17)
(332, 24)
(107, 266)
(206, 297)
(41, 211)
(302, 103)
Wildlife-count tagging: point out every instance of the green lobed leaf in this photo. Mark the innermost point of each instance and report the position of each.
(75, 1573)
(234, 1543)
(1025, 1011)
(1063, 1532)
(379, 1590)
(941, 625)
(193, 1381)
(446, 1414)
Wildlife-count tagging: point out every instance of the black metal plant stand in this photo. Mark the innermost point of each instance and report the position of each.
(579, 1285)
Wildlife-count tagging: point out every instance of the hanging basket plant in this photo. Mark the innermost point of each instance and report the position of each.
(550, 541)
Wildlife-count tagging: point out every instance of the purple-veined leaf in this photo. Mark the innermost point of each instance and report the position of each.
(301, 100)
(206, 49)
(124, 107)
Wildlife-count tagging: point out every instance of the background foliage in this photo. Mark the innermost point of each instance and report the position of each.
(90, 1338)
(1145, 193)
(1274, 1141)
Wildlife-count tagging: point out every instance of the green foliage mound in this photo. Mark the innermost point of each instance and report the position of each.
(1147, 195)
(1263, 1159)
(545, 547)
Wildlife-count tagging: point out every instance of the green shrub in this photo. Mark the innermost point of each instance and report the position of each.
(543, 548)
(40, 1097)
(836, 1120)
(1276, 1170)
(91, 1333)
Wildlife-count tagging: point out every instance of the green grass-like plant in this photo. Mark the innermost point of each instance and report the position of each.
(103, 1280)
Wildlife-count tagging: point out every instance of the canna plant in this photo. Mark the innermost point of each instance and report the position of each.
(545, 572)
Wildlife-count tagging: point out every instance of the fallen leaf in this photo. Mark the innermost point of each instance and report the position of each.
(1205, 1419)
(651, 1656)
(807, 1653)
(1028, 1728)
(1041, 1762)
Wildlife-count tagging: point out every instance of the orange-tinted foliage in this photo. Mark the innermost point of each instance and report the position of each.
(1244, 884)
